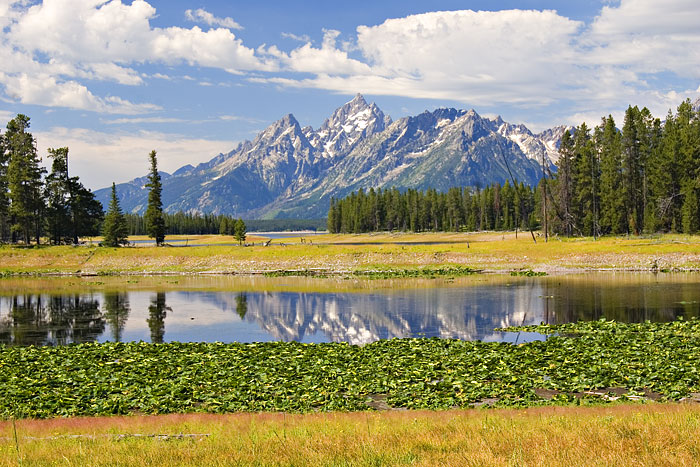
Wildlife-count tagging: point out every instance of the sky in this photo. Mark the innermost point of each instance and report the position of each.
(113, 80)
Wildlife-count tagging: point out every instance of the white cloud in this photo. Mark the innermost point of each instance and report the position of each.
(295, 37)
(102, 158)
(5, 116)
(161, 76)
(485, 59)
(140, 120)
(98, 31)
(517, 58)
(42, 89)
(308, 59)
(479, 58)
(98, 40)
(202, 16)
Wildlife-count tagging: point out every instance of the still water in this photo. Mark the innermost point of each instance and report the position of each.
(250, 309)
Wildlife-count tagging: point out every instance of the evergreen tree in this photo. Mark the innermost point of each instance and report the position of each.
(155, 222)
(114, 230)
(223, 226)
(688, 123)
(239, 231)
(71, 209)
(24, 180)
(607, 140)
(587, 181)
(86, 212)
(4, 198)
(56, 193)
(564, 188)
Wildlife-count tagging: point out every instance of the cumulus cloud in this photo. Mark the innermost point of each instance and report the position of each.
(514, 57)
(527, 58)
(202, 16)
(309, 59)
(100, 158)
(46, 90)
(102, 40)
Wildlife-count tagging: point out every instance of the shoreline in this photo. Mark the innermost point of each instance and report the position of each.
(350, 254)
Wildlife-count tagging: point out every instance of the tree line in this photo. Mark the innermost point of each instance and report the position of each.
(496, 207)
(643, 178)
(181, 223)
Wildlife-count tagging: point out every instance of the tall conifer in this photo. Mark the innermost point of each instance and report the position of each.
(155, 222)
(114, 229)
(24, 180)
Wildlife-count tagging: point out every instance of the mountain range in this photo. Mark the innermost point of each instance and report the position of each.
(290, 171)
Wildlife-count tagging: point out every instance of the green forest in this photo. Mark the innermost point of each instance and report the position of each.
(643, 178)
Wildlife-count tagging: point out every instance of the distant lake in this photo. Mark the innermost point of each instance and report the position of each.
(57, 311)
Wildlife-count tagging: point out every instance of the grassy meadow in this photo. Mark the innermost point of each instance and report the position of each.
(623, 434)
(347, 253)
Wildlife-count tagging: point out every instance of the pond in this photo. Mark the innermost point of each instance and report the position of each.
(57, 311)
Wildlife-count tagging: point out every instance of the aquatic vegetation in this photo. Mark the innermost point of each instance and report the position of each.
(117, 378)
(528, 273)
(429, 272)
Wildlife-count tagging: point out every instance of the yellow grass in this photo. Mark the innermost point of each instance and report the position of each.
(343, 253)
(653, 434)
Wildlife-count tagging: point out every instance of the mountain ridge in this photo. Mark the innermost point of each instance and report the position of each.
(292, 171)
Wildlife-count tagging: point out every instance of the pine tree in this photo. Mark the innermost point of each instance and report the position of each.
(223, 226)
(239, 231)
(565, 182)
(587, 182)
(4, 198)
(24, 180)
(155, 222)
(56, 193)
(114, 230)
(607, 140)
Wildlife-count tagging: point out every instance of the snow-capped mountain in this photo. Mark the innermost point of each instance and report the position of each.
(290, 171)
(535, 146)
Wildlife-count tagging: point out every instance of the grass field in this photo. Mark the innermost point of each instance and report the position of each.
(347, 253)
(625, 434)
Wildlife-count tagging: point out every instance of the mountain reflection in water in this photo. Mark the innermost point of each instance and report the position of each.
(469, 312)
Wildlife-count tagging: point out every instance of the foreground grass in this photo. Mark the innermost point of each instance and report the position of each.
(348, 253)
(650, 434)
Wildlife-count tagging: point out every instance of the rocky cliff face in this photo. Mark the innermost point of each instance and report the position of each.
(290, 171)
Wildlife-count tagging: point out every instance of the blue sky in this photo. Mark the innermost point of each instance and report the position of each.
(114, 79)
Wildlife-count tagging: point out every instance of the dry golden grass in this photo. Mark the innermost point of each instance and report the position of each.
(343, 253)
(652, 434)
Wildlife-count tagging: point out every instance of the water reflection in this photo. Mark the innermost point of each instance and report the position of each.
(51, 320)
(116, 312)
(157, 312)
(469, 309)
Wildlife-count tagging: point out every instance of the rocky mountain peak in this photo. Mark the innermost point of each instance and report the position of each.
(349, 124)
(284, 131)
